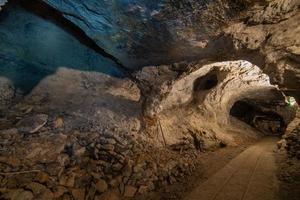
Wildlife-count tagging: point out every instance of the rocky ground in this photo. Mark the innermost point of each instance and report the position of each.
(289, 164)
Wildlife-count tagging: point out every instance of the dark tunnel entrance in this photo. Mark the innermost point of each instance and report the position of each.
(254, 115)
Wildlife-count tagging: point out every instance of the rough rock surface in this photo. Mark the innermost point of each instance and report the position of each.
(293, 143)
(2, 3)
(288, 162)
(174, 89)
(204, 96)
(140, 33)
(271, 32)
(45, 46)
(7, 92)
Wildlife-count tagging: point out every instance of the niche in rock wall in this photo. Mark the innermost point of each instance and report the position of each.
(254, 115)
(204, 84)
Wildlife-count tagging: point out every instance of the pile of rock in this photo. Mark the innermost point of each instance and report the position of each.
(39, 162)
(128, 168)
(119, 165)
(293, 143)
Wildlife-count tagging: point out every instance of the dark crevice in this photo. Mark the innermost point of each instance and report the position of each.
(49, 13)
(206, 82)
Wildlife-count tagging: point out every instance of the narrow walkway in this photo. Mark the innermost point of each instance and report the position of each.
(249, 176)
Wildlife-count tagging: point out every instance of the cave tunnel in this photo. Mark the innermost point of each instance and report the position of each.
(254, 114)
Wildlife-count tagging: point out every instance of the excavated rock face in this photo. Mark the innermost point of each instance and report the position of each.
(43, 49)
(212, 93)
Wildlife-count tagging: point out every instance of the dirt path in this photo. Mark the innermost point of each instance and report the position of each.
(251, 175)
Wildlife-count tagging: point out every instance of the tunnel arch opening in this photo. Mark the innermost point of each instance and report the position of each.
(254, 114)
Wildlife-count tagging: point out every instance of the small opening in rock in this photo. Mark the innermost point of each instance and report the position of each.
(252, 113)
(206, 82)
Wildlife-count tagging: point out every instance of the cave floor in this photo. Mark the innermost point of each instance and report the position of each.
(250, 175)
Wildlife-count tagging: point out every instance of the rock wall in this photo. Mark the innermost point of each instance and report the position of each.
(293, 143)
(235, 80)
(2, 3)
(272, 31)
(195, 97)
(33, 48)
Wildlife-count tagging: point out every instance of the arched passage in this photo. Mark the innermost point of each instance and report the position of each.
(257, 115)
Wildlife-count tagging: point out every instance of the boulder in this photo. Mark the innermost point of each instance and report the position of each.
(101, 185)
(129, 191)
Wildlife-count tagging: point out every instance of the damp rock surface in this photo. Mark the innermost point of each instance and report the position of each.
(7, 92)
(33, 48)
